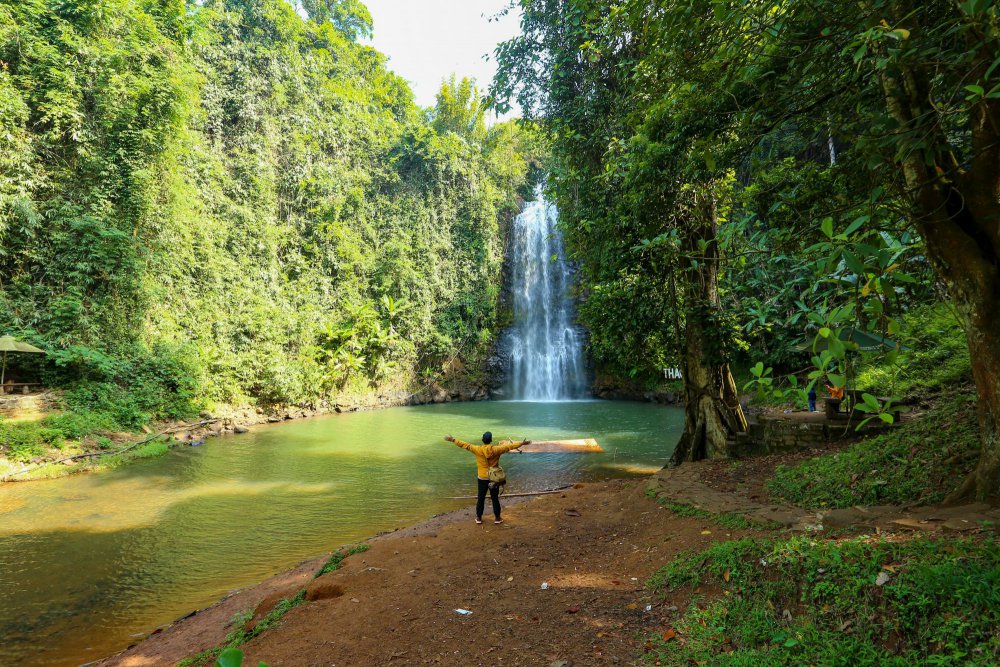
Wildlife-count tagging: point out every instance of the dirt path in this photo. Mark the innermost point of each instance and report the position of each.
(595, 546)
(704, 485)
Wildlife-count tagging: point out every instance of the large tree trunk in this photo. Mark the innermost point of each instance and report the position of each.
(712, 412)
(957, 212)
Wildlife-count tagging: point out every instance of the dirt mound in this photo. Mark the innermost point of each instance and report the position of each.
(323, 589)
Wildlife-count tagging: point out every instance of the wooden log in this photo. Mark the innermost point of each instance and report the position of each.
(515, 495)
(584, 446)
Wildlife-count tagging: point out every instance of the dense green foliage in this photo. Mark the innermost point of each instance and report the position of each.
(850, 602)
(937, 358)
(223, 202)
(807, 244)
(773, 181)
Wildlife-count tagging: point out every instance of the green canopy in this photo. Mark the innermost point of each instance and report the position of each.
(9, 344)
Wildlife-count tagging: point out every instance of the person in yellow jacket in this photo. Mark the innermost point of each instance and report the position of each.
(487, 456)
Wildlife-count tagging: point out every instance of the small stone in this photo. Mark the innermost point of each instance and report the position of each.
(561, 663)
(240, 429)
(355, 600)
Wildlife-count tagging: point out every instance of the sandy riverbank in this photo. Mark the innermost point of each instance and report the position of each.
(594, 545)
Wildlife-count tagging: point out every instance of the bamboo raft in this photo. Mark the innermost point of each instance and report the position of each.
(583, 446)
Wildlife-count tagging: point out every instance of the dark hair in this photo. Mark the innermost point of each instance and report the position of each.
(487, 437)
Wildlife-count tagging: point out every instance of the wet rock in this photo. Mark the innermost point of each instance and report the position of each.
(438, 394)
(240, 429)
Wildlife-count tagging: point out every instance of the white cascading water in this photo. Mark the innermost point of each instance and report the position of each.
(545, 344)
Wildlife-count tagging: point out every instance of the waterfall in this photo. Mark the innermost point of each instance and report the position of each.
(545, 345)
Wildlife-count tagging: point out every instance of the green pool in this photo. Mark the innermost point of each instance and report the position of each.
(90, 563)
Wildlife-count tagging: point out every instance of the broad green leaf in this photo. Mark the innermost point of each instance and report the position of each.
(231, 657)
(826, 224)
(837, 346)
(856, 224)
(853, 263)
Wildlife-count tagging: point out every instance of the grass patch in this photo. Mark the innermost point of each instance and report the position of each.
(729, 520)
(151, 449)
(49, 471)
(807, 602)
(241, 631)
(23, 441)
(921, 460)
(337, 558)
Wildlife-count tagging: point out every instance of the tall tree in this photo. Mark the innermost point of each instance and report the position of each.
(350, 17)
(912, 89)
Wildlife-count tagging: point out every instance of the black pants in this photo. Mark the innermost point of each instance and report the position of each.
(484, 484)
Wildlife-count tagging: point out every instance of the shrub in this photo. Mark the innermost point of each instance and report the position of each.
(24, 441)
(856, 602)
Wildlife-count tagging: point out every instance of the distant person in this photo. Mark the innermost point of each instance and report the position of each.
(487, 457)
(812, 399)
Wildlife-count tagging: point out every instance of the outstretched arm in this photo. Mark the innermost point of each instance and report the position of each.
(459, 443)
(500, 449)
